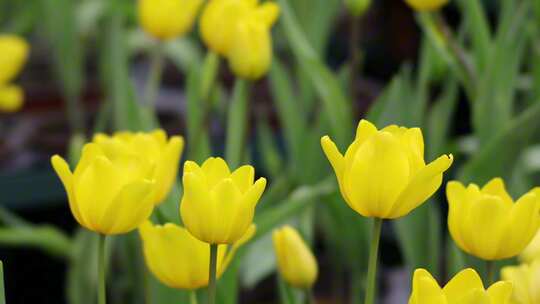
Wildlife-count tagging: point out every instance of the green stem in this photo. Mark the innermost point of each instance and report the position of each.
(102, 295)
(373, 259)
(193, 297)
(154, 80)
(310, 298)
(212, 274)
(2, 292)
(490, 273)
(237, 124)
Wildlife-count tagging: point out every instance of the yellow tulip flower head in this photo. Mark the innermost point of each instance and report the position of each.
(426, 5)
(295, 260)
(532, 251)
(155, 148)
(13, 55)
(167, 19)
(383, 173)
(250, 54)
(107, 195)
(464, 288)
(217, 206)
(487, 224)
(526, 280)
(178, 259)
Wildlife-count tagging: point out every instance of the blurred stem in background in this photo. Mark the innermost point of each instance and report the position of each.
(310, 298)
(193, 297)
(212, 274)
(2, 291)
(102, 290)
(237, 123)
(373, 260)
(354, 54)
(490, 273)
(151, 90)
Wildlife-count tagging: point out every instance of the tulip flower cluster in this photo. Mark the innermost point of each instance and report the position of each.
(13, 55)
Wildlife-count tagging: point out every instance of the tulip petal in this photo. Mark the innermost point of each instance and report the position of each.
(475, 296)
(243, 177)
(226, 198)
(62, 169)
(89, 153)
(458, 204)
(465, 280)
(496, 187)
(334, 156)
(167, 168)
(268, 13)
(421, 186)
(215, 169)
(500, 292)
(428, 292)
(364, 130)
(196, 201)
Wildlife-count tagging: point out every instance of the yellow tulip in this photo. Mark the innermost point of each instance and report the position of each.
(107, 195)
(426, 5)
(250, 52)
(11, 98)
(295, 260)
(357, 7)
(487, 224)
(383, 173)
(465, 288)
(217, 206)
(532, 251)
(154, 148)
(526, 280)
(178, 259)
(167, 19)
(13, 55)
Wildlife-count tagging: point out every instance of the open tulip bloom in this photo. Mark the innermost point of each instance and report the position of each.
(526, 280)
(464, 288)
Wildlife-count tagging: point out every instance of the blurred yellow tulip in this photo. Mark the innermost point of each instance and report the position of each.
(383, 173)
(296, 262)
(168, 19)
(464, 288)
(11, 98)
(487, 224)
(526, 280)
(532, 251)
(178, 259)
(357, 7)
(154, 148)
(13, 55)
(107, 195)
(250, 53)
(217, 206)
(426, 5)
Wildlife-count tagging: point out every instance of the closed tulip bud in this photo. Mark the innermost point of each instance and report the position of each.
(250, 54)
(532, 251)
(383, 173)
(426, 5)
(295, 260)
(357, 7)
(108, 195)
(155, 148)
(464, 288)
(181, 261)
(11, 98)
(487, 223)
(217, 206)
(13, 56)
(526, 280)
(167, 19)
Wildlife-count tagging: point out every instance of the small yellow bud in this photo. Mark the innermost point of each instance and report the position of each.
(178, 259)
(11, 98)
(108, 195)
(426, 5)
(167, 19)
(13, 55)
(464, 288)
(383, 173)
(155, 148)
(487, 223)
(218, 205)
(295, 260)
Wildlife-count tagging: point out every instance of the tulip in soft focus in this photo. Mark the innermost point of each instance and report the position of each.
(383, 173)
(167, 19)
(487, 223)
(295, 260)
(464, 288)
(13, 55)
(357, 7)
(250, 54)
(155, 148)
(426, 5)
(526, 280)
(532, 251)
(218, 205)
(178, 259)
(108, 195)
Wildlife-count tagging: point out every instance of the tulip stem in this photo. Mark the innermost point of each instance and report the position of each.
(102, 295)
(373, 259)
(310, 298)
(193, 297)
(212, 274)
(490, 272)
(153, 82)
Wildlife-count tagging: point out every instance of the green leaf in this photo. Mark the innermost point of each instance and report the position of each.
(478, 27)
(267, 148)
(2, 289)
(237, 124)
